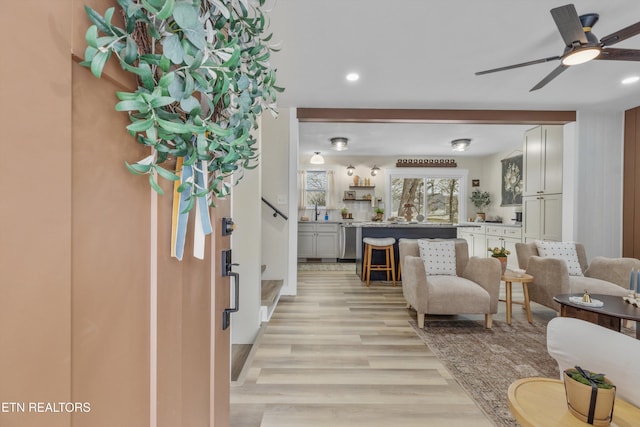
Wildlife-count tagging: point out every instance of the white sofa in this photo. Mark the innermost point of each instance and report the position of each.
(574, 342)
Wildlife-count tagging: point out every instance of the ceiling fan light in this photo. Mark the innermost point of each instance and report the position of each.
(581, 55)
(350, 170)
(339, 143)
(460, 144)
(317, 159)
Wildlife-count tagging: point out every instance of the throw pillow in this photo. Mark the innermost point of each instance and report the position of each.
(439, 257)
(562, 250)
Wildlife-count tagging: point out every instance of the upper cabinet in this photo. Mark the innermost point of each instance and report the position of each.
(543, 160)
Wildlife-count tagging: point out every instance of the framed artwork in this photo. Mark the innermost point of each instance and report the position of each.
(512, 181)
(475, 183)
(349, 195)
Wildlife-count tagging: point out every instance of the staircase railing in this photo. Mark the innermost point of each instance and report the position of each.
(276, 211)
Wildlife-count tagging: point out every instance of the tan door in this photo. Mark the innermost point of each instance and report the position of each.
(220, 348)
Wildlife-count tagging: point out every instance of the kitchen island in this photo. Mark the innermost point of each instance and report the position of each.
(397, 231)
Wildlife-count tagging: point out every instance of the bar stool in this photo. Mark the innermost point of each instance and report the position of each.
(383, 244)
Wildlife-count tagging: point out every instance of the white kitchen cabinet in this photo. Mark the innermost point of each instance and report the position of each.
(476, 241)
(507, 237)
(542, 201)
(543, 160)
(543, 217)
(317, 240)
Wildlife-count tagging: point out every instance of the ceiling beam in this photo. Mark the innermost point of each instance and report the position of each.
(371, 115)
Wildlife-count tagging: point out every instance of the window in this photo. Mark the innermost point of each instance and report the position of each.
(315, 188)
(435, 194)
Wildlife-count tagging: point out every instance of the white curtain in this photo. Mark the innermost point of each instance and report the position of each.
(302, 175)
(331, 198)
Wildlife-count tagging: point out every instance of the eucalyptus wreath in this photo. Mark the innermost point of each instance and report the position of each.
(204, 77)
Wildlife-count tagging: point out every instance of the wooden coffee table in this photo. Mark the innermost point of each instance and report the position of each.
(541, 402)
(610, 315)
(508, 277)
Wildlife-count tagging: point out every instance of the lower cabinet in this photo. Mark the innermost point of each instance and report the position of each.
(317, 240)
(476, 241)
(506, 237)
(542, 217)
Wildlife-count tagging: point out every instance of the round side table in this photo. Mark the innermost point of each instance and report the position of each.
(508, 277)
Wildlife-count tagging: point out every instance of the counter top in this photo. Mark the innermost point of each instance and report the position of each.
(384, 224)
(496, 224)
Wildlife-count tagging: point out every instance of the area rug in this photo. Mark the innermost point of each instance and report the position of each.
(486, 361)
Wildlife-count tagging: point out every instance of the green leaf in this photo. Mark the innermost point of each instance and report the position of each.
(127, 96)
(165, 63)
(149, 7)
(176, 87)
(154, 184)
(190, 104)
(130, 51)
(89, 54)
(92, 36)
(174, 127)
(146, 76)
(132, 106)
(185, 16)
(108, 14)
(166, 174)
(97, 64)
(141, 125)
(97, 19)
(167, 9)
(162, 101)
(172, 48)
(137, 168)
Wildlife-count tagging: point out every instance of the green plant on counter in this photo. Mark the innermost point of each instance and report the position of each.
(203, 79)
(480, 199)
(345, 210)
(379, 210)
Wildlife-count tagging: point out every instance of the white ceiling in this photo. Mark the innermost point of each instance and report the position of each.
(423, 54)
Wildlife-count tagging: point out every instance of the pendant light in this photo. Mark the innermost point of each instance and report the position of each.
(350, 170)
(317, 159)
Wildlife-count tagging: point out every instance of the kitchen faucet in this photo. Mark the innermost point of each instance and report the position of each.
(317, 212)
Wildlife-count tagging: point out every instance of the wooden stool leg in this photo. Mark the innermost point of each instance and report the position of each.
(393, 266)
(365, 262)
(369, 253)
(386, 261)
(399, 275)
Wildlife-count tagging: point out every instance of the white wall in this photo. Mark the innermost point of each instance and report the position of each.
(598, 219)
(245, 210)
(275, 188)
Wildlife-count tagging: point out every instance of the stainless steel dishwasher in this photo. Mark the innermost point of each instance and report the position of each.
(347, 242)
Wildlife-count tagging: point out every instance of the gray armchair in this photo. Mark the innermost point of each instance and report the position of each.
(609, 276)
(474, 289)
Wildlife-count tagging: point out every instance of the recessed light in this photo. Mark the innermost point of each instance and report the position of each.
(629, 80)
(352, 77)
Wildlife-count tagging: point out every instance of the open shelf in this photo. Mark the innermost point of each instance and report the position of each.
(363, 187)
(356, 200)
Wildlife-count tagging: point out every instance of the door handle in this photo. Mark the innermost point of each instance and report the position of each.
(227, 265)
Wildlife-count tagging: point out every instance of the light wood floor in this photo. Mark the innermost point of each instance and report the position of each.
(340, 354)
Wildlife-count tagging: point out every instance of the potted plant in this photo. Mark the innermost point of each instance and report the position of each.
(345, 212)
(379, 214)
(480, 199)
(590, 396)
(501, 255)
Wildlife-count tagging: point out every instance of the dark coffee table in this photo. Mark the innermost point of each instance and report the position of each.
(610, 315)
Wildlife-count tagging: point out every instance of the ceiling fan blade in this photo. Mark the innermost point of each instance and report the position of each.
(552, 75)
(613, 54)
(568, 24)
(523, 64)
(620, 35)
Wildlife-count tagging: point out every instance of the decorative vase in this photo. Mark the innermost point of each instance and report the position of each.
(379, 216)
(356, 179)
(579, 401)
(503, 263)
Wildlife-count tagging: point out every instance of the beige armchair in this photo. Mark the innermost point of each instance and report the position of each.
(609, 276)
(474, 289)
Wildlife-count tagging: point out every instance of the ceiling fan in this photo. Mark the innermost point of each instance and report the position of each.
(581, 45)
